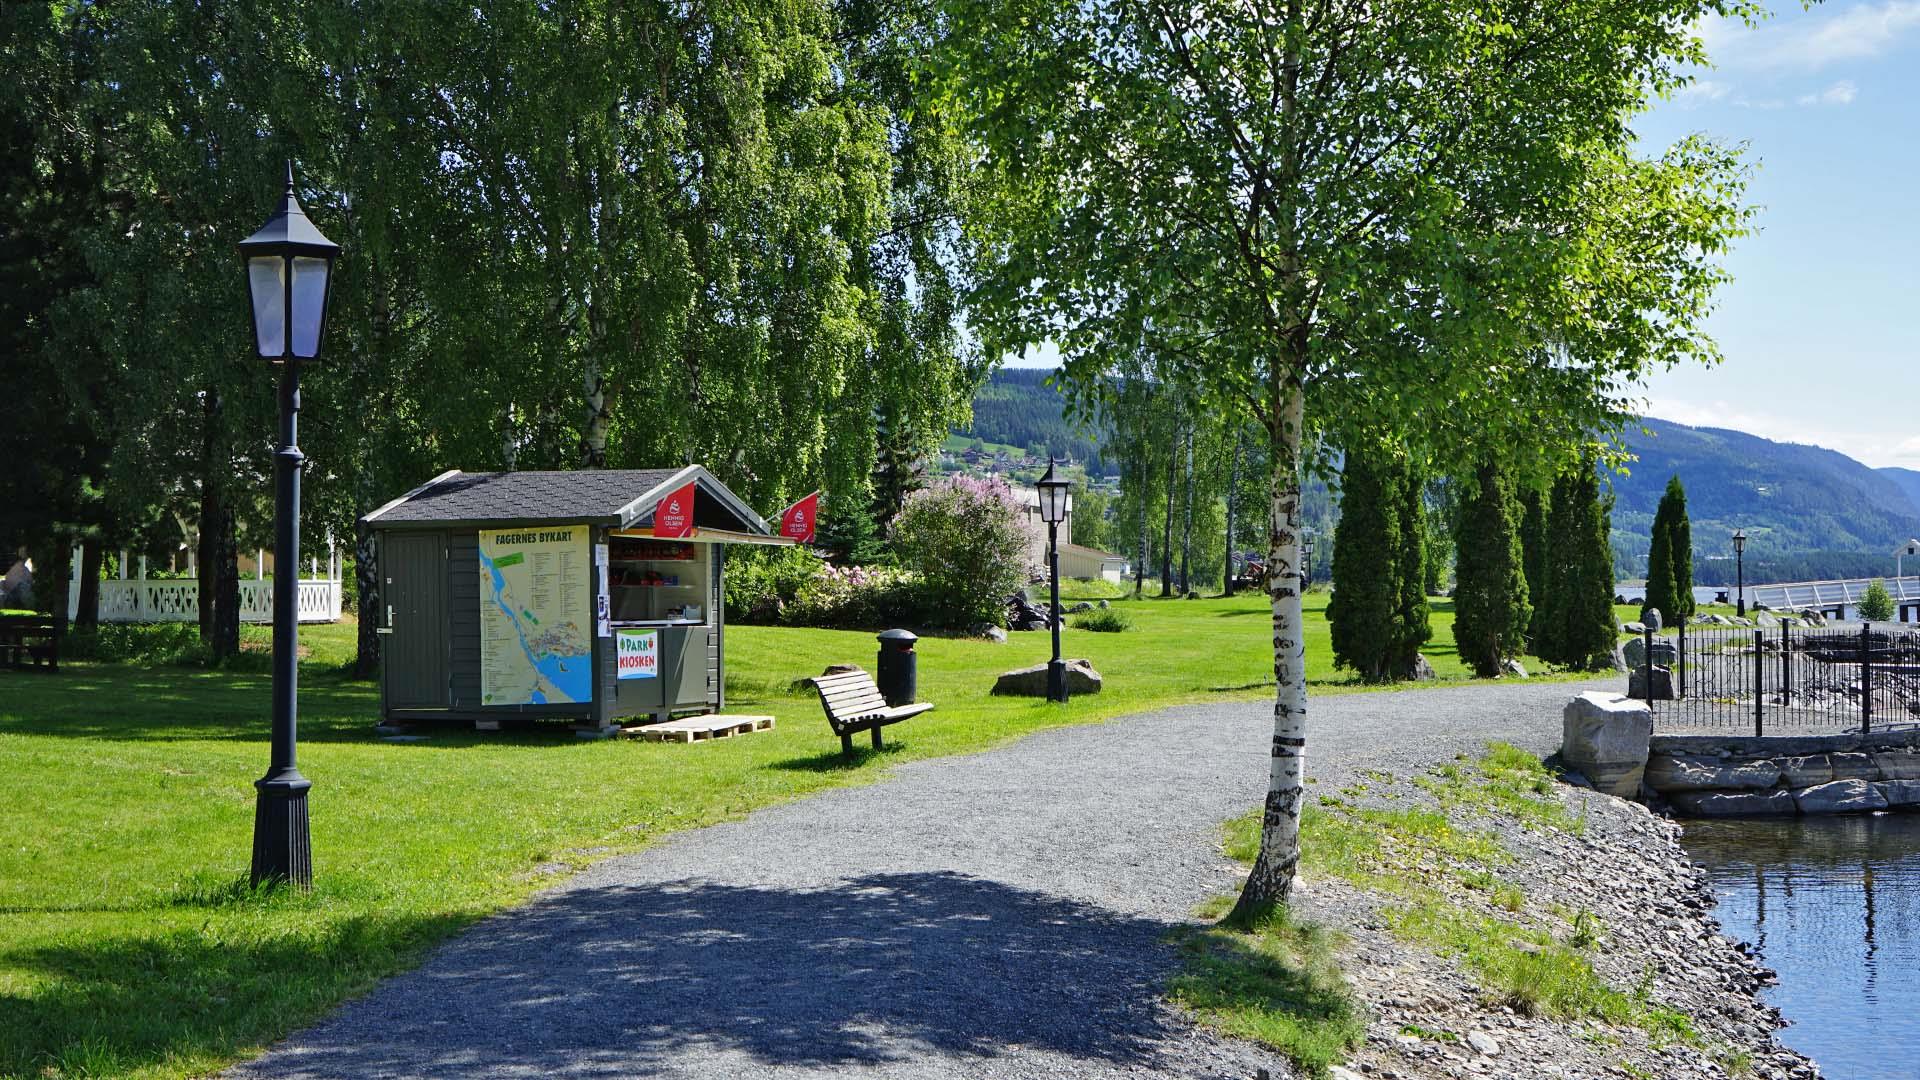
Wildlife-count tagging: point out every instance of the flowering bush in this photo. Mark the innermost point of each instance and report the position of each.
(963, 537)
(857, 597)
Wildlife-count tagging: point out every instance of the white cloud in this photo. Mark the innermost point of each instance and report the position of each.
(1840, 93)
(1812, 41)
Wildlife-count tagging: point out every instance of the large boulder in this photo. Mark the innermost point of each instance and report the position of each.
(1735, 803)
(1423, 669)
(1682, 772)
(1604, 736)
(1897, 764)
(1806, 770)
(1662, 684)
(1635, 651)
(1854, 767)
(1032, 681)
(1840, 797)
(1900, 792)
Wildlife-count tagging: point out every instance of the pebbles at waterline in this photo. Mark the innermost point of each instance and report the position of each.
(1618, 880)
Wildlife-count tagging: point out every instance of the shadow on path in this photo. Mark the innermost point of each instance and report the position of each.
(691, 978)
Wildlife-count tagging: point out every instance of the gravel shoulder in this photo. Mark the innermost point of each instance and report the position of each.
(998, 915)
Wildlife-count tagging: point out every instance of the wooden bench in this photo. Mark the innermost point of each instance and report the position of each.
(853, 703)
(29, 641)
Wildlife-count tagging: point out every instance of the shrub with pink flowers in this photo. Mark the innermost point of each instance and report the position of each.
(962, 536)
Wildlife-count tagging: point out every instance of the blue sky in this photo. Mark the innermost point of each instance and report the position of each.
(1815, 325)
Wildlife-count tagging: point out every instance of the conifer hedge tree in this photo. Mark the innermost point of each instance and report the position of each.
(1670, 556)
(1412, 624)
(1574, 608)
(1366, 580)
(1491, 610)
(1533, 546)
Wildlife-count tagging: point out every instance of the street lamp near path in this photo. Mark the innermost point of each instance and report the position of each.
(289, 280)
(1306, 559)
(1740, 572)
(1053, 510)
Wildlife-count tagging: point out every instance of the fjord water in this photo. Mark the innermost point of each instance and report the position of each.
(1833, 904)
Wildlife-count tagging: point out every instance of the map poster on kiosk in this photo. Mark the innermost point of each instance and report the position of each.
(536, 595)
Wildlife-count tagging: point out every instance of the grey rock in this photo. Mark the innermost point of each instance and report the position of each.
(1618, 661)
(1854, 767)
(1680, 772)
(1806, 771)
(1079, 607)
(1714, 804)
(1897, 764)
(1900, 792)
(1605, 736)
(1512, 667)
(1633, 628)
(1103, 605)
(994, 633)
(1032, 681)
(1423, 669)
(1483, 1042)
(1662, 683)
(1840, 797)
(1635, 650)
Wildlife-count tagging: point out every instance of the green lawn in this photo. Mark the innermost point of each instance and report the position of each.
(129, 945)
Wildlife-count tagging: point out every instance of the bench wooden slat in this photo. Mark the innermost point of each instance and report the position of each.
(853, 703)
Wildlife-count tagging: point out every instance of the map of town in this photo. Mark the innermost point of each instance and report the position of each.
(534, 599)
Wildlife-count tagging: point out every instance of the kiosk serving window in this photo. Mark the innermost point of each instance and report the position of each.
(658, 581)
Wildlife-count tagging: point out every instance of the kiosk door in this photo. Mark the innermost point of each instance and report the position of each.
(415, 662)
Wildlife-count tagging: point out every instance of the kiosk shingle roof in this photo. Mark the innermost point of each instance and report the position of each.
(582, 495)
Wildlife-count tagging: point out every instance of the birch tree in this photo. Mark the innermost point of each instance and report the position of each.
(1326, 209)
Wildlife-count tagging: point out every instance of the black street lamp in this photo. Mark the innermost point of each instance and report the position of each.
(1740, 572)
(1053, 511)
(289, 279)
(1306, 559)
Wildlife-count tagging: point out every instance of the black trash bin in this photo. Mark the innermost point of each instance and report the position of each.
(899, 673)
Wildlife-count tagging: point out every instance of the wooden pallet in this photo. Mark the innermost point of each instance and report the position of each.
(702, 728)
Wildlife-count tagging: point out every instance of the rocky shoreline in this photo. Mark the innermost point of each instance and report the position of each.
(1606, 882)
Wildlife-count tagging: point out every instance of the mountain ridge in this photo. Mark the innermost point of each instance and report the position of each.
(1808, 511)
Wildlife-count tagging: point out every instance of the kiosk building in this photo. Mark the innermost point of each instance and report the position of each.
(592, 596)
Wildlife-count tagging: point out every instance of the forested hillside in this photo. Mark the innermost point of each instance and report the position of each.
(1018, 407)
(1810, 512)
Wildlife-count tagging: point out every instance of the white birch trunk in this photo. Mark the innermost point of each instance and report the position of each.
(1271, 881)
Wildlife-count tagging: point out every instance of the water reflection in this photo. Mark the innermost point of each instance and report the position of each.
(1829, 902)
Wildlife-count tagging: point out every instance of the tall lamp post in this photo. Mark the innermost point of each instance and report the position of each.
(1053, 511)
(1740, 572)
(1306, 559)
(289, 279)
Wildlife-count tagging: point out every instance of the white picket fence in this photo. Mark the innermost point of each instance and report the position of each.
(144, 599)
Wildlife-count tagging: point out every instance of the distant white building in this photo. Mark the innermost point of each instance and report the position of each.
(1839, 599)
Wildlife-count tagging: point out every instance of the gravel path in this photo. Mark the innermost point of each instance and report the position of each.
(993, 916)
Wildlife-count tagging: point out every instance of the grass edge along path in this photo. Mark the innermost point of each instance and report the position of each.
(1278, 982)
(129, 945)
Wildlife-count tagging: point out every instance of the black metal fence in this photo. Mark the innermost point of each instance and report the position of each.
(1779, 680)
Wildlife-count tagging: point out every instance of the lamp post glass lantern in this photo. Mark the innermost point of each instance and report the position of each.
(1306, 559)
(289, 281)
(1053, 510)
(1740, 572)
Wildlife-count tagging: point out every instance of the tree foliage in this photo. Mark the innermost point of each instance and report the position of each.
(1491, 609)
(1378, 614)
(1670, 557)
(1876, 604)
(1327, 219)
(1573, 609)
(578, 233)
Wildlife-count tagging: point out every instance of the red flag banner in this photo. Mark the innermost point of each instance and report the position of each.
(674, 515)
(796, 521)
